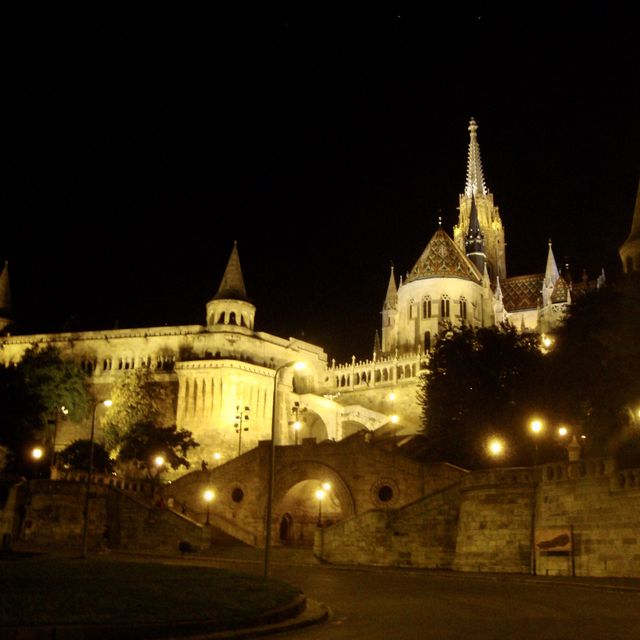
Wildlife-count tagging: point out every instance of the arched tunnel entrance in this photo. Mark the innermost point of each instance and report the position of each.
(306, 496)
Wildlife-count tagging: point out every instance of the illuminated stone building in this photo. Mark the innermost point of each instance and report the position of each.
(223, 373)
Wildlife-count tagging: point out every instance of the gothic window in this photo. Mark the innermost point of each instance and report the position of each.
(426, 308)
(444, 307)
(427, 340)
(463, 308)
(410, 311)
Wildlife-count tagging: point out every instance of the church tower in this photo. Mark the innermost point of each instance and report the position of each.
(6, 314)
(630, 250)
(231, 306)
(478, 198)
(390, 316)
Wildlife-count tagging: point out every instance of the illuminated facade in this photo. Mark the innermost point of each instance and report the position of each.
(222, 372)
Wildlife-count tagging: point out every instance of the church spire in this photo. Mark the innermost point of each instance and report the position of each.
(391, 300)
(475, 178)
(474, 242)
(630, 250)
(551, 273)
(6, 312)
(232, 284)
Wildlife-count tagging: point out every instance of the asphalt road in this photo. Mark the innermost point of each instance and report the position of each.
(388, 604)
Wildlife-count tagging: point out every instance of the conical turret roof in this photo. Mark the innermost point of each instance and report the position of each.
(391, 300)
(232, 284)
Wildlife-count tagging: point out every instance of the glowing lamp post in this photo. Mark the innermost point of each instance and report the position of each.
(272, 459)
(495, 447)
(208, 496)
(320, 494)
(85, 530)
(216, 456)
(297, 425)
(536, 428)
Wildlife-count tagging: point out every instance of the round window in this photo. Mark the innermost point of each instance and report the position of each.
(237, 494)
(385, 493)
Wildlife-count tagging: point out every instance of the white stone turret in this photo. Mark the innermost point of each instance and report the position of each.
(230, 307)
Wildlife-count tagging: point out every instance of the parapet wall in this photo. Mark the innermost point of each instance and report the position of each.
(489, 520)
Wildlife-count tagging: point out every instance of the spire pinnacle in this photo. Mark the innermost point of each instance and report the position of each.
(232, 284)
(475, 179)
(391, 299)
(551, 273)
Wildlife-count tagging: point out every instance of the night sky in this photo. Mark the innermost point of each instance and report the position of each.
(326, 138)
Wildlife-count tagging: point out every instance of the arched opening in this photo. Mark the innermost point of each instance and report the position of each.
(303, 511)
(286, 529)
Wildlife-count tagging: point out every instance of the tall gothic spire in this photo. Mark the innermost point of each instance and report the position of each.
(630, 250)
(474, 242)
(232, 285)
(475, 178)
(6, 312)
(551, 273)
(391, 300)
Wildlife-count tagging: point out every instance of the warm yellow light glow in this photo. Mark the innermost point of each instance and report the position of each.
(495, 447)
(107, 403)
(394, 418)
(536, 426)
(392, 396)
(547, 341)
(563, 431)
(209, 495)
(319, 494)
(158, 461)
(217, 455)
(64, 410)
(37, 453)
(297, 425)
(299, 366)
(326, 486)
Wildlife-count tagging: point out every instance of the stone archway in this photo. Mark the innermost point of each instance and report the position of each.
(296, 510)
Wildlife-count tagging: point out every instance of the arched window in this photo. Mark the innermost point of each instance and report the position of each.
(463, 308)
(426, 308)
(444, 307)
(232, 317)
(221, 318)
(427, 340)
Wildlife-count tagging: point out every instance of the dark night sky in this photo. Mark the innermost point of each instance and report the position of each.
(324, 137)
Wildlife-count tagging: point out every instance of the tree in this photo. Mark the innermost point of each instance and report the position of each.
(77, 456)
(32, 393)
(480, 383)
(143, 442)
(137, 398)
(594, 368)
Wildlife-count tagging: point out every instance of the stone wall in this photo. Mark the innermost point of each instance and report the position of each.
(488, 521)
(494, 530)
(601, 505)
(421, 534)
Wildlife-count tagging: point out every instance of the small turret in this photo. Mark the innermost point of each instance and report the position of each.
(551, 275)
(231, 306)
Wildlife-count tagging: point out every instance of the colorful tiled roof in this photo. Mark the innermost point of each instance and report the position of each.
(442, 259)
(522, 292)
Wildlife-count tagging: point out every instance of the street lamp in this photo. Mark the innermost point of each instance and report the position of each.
(536, 428)
(320, 493)
(272, 460)
(495, 447)
(85, 530)
(208, 495)
(216, 456)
